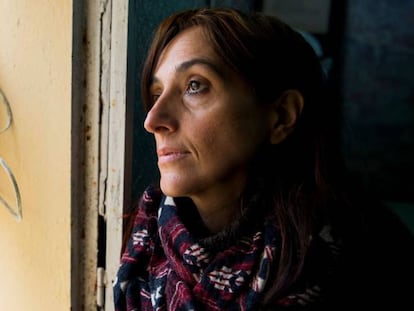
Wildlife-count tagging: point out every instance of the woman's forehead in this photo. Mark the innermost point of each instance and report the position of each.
(189, 44)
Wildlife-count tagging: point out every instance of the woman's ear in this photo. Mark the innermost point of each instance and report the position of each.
(285, 113)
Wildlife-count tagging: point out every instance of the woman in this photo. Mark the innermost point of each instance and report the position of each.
(252, 211)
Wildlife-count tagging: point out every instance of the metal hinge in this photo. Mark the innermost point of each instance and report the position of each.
(100, 287)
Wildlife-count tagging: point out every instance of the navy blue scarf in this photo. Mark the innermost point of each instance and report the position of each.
(164, 267)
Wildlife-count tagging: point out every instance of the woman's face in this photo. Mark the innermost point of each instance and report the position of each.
(206, 122)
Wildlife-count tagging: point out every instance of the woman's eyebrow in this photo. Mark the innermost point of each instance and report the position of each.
(192, 62)
(200, 61)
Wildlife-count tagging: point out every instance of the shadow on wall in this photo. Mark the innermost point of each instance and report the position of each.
(378, 88)
(378, 98)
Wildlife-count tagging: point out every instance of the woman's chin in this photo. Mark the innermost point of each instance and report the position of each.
(174, 187)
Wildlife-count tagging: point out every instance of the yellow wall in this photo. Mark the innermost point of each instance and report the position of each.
(35, 75)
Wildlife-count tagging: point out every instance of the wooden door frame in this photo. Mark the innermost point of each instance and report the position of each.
(99, 156)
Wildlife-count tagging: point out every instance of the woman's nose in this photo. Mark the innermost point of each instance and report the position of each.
(161, 117)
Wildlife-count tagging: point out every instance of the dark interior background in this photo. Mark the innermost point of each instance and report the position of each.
(368, 48)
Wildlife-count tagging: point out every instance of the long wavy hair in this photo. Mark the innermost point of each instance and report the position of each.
(298, 178)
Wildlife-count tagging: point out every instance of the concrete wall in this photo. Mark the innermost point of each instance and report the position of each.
(35, 75)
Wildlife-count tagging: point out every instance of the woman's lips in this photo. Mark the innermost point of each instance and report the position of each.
(170, 154)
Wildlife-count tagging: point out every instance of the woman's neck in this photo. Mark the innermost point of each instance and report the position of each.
(217, 214)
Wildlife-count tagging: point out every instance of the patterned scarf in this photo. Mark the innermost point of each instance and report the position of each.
(164, 267)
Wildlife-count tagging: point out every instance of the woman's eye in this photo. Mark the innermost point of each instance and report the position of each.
(154, 97)
(195, 87)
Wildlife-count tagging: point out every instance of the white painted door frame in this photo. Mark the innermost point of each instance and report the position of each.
(99, 123)
(118, 182)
